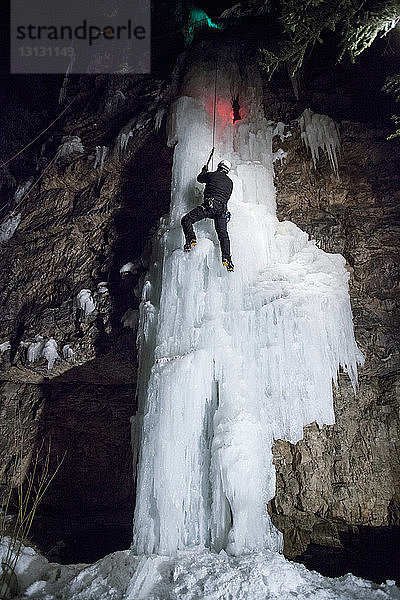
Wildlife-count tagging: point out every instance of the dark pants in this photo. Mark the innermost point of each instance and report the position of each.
(203, 212)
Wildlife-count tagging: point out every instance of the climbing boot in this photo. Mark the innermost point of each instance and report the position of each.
(189, 245)
(227, 262)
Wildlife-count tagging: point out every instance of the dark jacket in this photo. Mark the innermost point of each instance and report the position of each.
(218, 185)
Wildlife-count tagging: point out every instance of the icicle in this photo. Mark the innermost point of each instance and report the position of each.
(67, 352)
(101, 155)
(320, 131)
(159, 119)
(50, 353)
(35, 349)
(86, 302)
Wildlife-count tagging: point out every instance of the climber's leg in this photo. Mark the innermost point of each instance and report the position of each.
(197, 214)
(222, 233)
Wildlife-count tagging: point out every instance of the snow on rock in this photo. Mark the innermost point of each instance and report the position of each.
(279, 130)
(280, 155)
(4, 347)
(85, 302)
(67, 351)
(69, 144)
(228, 362)
(130, 267)
(102, 287)
(9, 226)
(320, 132)
(192, 574)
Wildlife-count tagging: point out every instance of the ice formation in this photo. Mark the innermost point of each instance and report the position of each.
(69, 144)
(280, 155)
(100, 157)
(230, 362)
(9, 226)
(22, 189)
(280, 130)
(114, 102)
(134, 267)
(41, 349)
(35, 349)
(67, 351)
(50, 353)
(85, 302)
(129, 319)
(159, 119)
(320, 132)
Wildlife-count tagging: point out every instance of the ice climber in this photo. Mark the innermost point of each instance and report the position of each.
(217, 192)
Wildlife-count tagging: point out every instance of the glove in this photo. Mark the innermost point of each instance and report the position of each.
(204, 169)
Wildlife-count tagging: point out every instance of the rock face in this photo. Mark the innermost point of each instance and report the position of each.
(93, 211)
(346, 476)
(68, 353)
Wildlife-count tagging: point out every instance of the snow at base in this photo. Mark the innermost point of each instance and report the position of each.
(192, 574)
(230, 361)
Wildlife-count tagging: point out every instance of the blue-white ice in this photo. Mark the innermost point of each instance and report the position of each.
(230, 361)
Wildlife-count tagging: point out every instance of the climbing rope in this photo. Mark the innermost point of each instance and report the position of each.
(215, 104)
(38, 136)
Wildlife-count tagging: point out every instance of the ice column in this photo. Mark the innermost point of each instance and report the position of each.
(230, 361)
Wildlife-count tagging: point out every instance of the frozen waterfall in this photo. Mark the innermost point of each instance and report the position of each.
(228, 362)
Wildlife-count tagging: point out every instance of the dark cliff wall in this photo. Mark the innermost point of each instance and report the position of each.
(79, 225)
